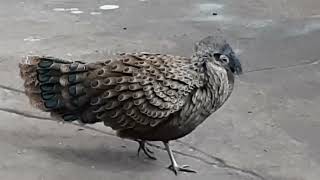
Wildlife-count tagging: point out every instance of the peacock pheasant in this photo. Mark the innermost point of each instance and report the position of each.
(143, 96)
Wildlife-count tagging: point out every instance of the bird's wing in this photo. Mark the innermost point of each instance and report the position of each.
(149, 88)
(131, 91)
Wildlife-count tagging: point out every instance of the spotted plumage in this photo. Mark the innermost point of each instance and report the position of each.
(143, 96)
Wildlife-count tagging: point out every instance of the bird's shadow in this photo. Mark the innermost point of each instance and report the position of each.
(102, 158)
(112, 155)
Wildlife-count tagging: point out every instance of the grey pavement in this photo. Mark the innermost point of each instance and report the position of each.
(269, 129)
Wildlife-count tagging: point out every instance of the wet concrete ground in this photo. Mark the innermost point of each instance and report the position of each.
(269, 129)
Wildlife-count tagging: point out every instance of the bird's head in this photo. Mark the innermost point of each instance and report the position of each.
(215, 49)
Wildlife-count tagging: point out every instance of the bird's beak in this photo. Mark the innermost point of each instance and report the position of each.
(235, 65)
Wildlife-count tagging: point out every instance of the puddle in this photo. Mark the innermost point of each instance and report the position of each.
(95, 13)
(65, 9)
(76, 12)
(109, 7)
(71, 10)
(31, 39)
(59, 9)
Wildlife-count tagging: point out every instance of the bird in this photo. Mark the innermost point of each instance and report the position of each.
(142, 96)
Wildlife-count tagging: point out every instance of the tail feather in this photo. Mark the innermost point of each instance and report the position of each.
(56, 85)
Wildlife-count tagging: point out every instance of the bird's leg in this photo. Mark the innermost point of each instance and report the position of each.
(145, 149)
(174, 165)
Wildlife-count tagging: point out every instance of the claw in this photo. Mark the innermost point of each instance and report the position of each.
(149, 151)
(174, 166)
(145, 149)
(183, 168)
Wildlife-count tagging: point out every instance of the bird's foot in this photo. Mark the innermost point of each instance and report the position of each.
(183, 168)
(146, 150)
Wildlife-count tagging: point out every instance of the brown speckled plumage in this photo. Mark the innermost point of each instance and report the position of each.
(143, 96)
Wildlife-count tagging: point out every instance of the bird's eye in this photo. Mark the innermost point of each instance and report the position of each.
(224, 59)
(217, 56)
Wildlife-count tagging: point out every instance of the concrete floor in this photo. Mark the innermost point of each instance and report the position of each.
(269, 128)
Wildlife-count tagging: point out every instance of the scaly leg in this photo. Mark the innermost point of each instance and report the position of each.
(145, 149)
(174, 165)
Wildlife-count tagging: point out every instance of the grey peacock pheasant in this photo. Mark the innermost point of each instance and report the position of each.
(143, 96)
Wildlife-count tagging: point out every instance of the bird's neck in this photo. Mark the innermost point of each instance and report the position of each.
(218, 85)
(220, 82)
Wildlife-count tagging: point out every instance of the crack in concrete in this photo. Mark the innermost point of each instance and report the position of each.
(10, 89)
(311, 62)
(28, 115)
(221, 163)
(25, 114)
(218, 162)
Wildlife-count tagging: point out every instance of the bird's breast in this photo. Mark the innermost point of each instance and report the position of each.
(207, 99)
